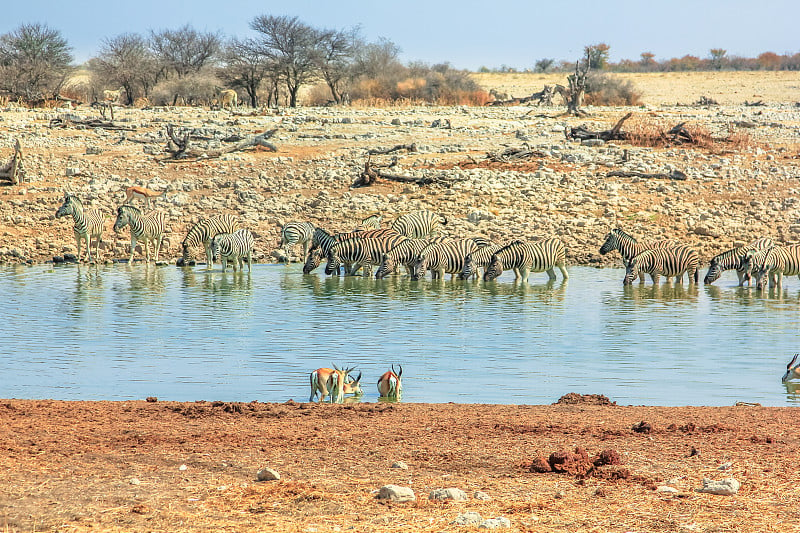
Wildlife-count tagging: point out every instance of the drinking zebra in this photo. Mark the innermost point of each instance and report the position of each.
(778, 261)
(371, 222)
(540, 256)
(323, 241)
(734, 259)
(405, 254)
(89, 224)
(753, 261)
(419, 224)
(147, 228)
(234, 247)
(296, 233)
(481, 258)
(205, 230)
(667, 262)
(360, 253)
(441, 258)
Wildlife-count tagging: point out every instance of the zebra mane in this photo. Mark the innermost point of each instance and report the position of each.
(739, 253)
(129, 206)
(620, 233)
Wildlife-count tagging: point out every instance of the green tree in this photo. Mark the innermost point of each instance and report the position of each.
(597, 55)
(544, 64)
(34, 61)
(718, 58)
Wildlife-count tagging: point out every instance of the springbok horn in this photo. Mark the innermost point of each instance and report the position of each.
(335, 367)
(789, 366)
(358, 378)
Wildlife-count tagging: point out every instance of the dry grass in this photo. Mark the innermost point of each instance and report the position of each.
(653, 133)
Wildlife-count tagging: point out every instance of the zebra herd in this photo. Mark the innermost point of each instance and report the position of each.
(414, 241)
(220, 235)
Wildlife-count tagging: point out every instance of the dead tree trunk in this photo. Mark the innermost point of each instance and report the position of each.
(614, 134)
(576, 89)
(13, 170)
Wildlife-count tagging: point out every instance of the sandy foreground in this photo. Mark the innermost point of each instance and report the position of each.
(164, 466)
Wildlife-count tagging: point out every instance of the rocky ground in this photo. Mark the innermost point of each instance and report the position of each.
(164, 466)
(734, 191)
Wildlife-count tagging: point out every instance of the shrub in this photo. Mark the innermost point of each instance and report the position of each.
(604, 89)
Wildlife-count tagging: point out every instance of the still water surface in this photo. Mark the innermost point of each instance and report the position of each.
(127, 332)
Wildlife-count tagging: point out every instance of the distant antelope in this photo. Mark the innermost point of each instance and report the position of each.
(113, 96)
(389, 384)
(333, 382)
(141, 193)
(228, 98)
(792, 372)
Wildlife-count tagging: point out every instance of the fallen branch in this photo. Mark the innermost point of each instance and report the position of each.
(369, 176)
(543, 97)
(510, 155)
(614, 134)
(674, 175)
(67, 121)
(383, 151)
(13, 170)
(181, 149)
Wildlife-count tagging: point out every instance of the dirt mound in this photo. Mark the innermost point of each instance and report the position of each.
(573, 398)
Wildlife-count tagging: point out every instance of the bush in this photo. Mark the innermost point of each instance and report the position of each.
(194, 89)
(603, 89)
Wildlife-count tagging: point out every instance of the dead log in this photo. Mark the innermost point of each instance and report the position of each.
(74, 121)
(13, 171)
(674, 175)
(543, 97)
(576, 89)
(614, 134)
(383, 151)
(181, 149)
(510, 155)
(370, 175)
(756, 103)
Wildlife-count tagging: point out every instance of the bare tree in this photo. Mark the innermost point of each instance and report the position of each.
(243, 66)
(34, 61)
(126, 60)
(292, 46)
(337, 50)
(376, 60)
(184, 51)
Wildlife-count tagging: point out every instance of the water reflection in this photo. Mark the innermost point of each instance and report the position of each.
(792, 391)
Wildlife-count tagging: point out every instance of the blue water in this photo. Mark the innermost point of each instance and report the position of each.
(128, 332)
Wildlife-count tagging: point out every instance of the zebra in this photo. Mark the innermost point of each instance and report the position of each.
(371, 222)
(419, 224)
(404, 253)
(296, 233)
(734, 259)
(146, 228)
(234, 246)
(205, 230)
(629, 247)
(323, 241)
(89, 224)
(442, 257)
(360, 252)
(481, 258)
(539, 256)
(664, 261)
(778, 261)
(753, 260)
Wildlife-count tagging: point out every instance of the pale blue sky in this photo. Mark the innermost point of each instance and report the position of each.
(466, 33)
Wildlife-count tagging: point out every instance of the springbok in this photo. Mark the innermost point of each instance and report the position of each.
(229, 98)
(141, 193)
(333, 382)
(389, 384)
(113, 96)
(792, 372)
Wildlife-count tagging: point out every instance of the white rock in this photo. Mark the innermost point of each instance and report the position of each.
(493, 523)
(480, 495)
(400, 464)
(268, 474)
(396, 493)
(666, 488)
(448, 494)
(470, 518)
(724, 487)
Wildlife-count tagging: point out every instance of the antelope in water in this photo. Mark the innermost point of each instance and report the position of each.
(333, 382)
(792, 372)
(389, 384)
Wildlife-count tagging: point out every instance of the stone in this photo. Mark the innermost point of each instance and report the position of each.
(396, 493)
(480, 495)
(470, 518)
(400, 464)
(268, 474)
(493, 523)
(667, 489)
(448, 494)
(593, 142)
(724, 487)
(72, 171)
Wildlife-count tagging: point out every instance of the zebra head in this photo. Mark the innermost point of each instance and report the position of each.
(469, 267)
(214, 246)
(494, 269)
(185, 254)
(123, 216)
(631, 272)
(68, 207)
(334, 262)
(792, 370)
(419, 267)
(313, 261)
(611, 243)
(388, 265)
(714, 272)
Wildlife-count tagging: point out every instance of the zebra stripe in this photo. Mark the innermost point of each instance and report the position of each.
(296, 233)
(360, 252)
(89, 224)
(419, 224)
(323, 241)
(441, 258)
(537, 256)
(405, 254)
(234, 247)
(734, 259)
(481, 258)
(778, 261)
(371, 222)
(146, 228)
(205, 230)
(629, 247)
(664, 261)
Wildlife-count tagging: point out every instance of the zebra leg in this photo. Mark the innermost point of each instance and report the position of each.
(563, 270)
(97, 247)
(655, 277)
(235, 262)
(133, 247)
(158, 247)
(524, 272)
(551, 273)
(209, 255)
